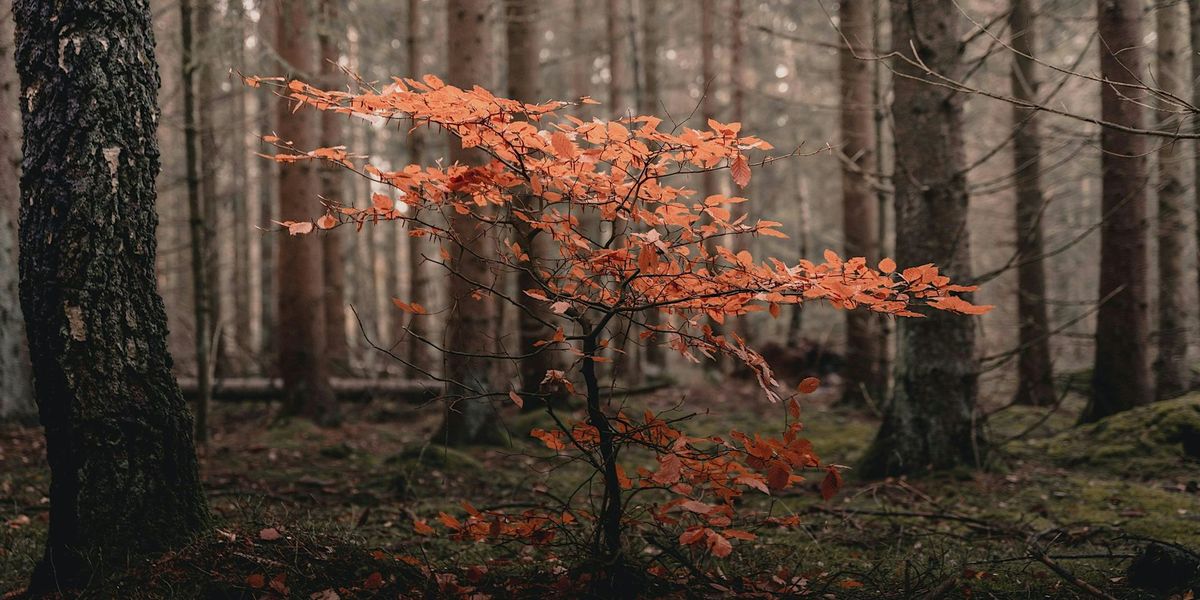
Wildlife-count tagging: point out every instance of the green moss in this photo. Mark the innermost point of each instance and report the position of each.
(434, 456)
(1143, 443)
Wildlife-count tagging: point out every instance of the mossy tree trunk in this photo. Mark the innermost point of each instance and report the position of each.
(124, 479)
(931, 420)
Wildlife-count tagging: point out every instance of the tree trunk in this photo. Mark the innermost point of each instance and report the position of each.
(1035, 377)
(708, 110)
(1194, 30)
(418, 352)
(1171, 368)
(470, 417)
(16, 390)
(124, 479)
(301, 328)
(859, 208)
(212, 200)
(243, 224)
(616, 63)
(201, 299)
(651, 97)
(1121, 373)
(931, 420)
(521, 20)
(332, 186)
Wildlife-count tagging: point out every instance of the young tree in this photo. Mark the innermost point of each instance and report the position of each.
(931, 421)
(302, 327)
(1171, 369)
(470, 417)
(16, 391)
(859, 209)
(124, 479)
(1121, 376)
(662, 264)
(1035, 376)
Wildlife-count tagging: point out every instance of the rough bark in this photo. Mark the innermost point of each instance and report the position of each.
(931, 420)
(302, 331)
(708, 110)
(1121, 376)
(242, 319)
(860, 214)
(124, 479)
(1171, 368)
(470, 417)
(616, 63)
(207, 92)
(332, 185)
(418, 352)
(16, 389)
(1194, 34)
(1035, 377)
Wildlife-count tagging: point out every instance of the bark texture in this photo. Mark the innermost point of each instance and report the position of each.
(16, 389)
(1121, 377)
(651, 98)
(302, 331)
(124, 478)
(1035, 376)
(1171, 367)
(860, 211)
(470, 417)
(931, 420)
(418, 353)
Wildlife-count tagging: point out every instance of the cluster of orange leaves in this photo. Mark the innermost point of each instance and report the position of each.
(666, 250)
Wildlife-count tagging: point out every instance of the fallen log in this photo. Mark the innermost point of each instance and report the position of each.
(263, 389)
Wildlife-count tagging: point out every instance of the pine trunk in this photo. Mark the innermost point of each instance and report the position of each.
(859, 207)
(470, 417)
(418, 352)
(1171, 368)
(931, 422)
(1035, 377)
(124, 478)
(1121, 376)
(301, 329)
(332, 186)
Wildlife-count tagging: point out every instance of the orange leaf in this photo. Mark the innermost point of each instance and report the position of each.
(887, 265)
(327, 221)
(516, 398)
(449, 521)
(256, 581)
(422, 528)
(269, 534)
(778, 475)
(374, 581)
(831, 484)
(740, 170)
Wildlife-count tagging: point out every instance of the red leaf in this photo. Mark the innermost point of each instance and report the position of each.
(778, 475)
(831, 484)
(374, 581)
(256, 581)
(809, 385)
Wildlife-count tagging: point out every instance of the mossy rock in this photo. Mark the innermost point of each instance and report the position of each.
(1157, 440)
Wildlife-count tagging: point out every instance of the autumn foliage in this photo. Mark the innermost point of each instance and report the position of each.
(665, 250)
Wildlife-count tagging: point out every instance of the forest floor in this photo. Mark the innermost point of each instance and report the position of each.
(303, 512)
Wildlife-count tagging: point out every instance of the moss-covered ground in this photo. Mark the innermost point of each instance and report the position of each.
(304, 512)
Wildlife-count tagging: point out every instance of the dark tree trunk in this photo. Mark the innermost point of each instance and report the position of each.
(301, 329)
(1194, 31)
(123, 468)
(1171, 368)
(860, 211)
(470, 417)
(931, 420)
(1035, 378)
(202, 308)
(1121, 376)
(16, 389)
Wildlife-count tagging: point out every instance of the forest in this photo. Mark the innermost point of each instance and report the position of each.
(354, 299)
